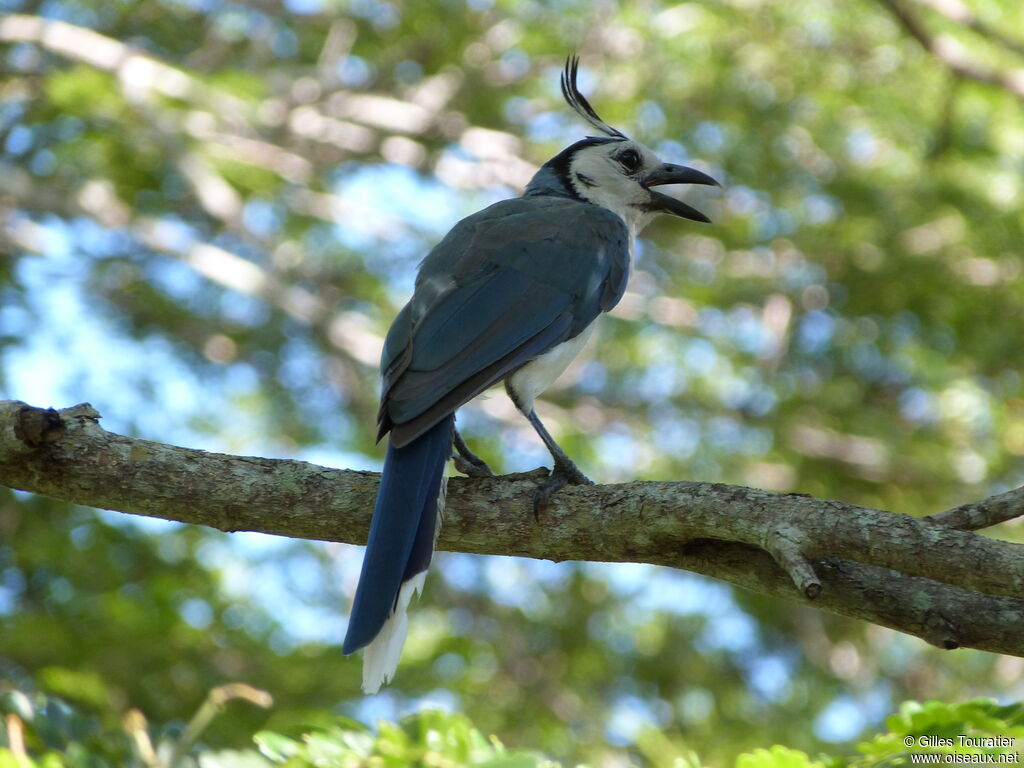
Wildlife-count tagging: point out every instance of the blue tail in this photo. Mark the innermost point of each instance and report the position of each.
(401, 539)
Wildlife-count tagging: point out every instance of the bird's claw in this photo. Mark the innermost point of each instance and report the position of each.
(467, 462)
(561, 476)
(472, 468)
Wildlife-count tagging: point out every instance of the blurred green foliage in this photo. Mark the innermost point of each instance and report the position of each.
(42, 732)
(210, 211)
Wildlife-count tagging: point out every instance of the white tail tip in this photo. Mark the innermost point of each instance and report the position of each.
(380, 657)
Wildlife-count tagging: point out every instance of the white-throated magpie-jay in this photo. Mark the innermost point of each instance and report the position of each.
(510, 294)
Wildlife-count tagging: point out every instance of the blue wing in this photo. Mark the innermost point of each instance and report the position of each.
(505, 286)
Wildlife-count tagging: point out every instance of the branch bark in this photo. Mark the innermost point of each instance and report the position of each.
(948, 586)
(983, 514)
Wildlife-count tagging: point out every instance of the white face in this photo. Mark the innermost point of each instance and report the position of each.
(609, 175)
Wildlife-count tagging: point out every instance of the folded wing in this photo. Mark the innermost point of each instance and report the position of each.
(504, 287)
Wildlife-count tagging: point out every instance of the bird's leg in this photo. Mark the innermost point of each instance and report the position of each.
(467, 462)
(564, 473)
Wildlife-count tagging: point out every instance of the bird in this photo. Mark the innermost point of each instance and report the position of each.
(510, 295)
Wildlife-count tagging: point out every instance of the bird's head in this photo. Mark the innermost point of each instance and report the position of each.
(614, 171)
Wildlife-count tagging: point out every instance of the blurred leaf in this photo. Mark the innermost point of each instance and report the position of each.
(84, 688)
(776, 757)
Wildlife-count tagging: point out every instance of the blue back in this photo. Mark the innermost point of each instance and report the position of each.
(503, 287)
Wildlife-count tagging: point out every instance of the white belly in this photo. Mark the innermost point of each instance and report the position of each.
(537, 375)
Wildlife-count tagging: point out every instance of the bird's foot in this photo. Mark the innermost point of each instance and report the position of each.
(472, 466)
(467, 462)
(564, 473)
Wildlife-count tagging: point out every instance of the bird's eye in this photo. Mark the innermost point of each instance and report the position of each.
(630, 159)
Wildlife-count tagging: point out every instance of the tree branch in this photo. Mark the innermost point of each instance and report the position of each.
(983, 514)
(960, 12)
(950, 587)
(952, 54)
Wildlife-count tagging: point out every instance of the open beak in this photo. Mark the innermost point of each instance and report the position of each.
(667, 173)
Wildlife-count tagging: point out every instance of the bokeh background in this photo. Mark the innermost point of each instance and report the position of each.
(210, 211)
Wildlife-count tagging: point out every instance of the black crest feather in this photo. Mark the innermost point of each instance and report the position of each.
(578, 101)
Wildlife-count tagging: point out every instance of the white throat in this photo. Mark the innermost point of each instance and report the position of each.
(636, 218)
